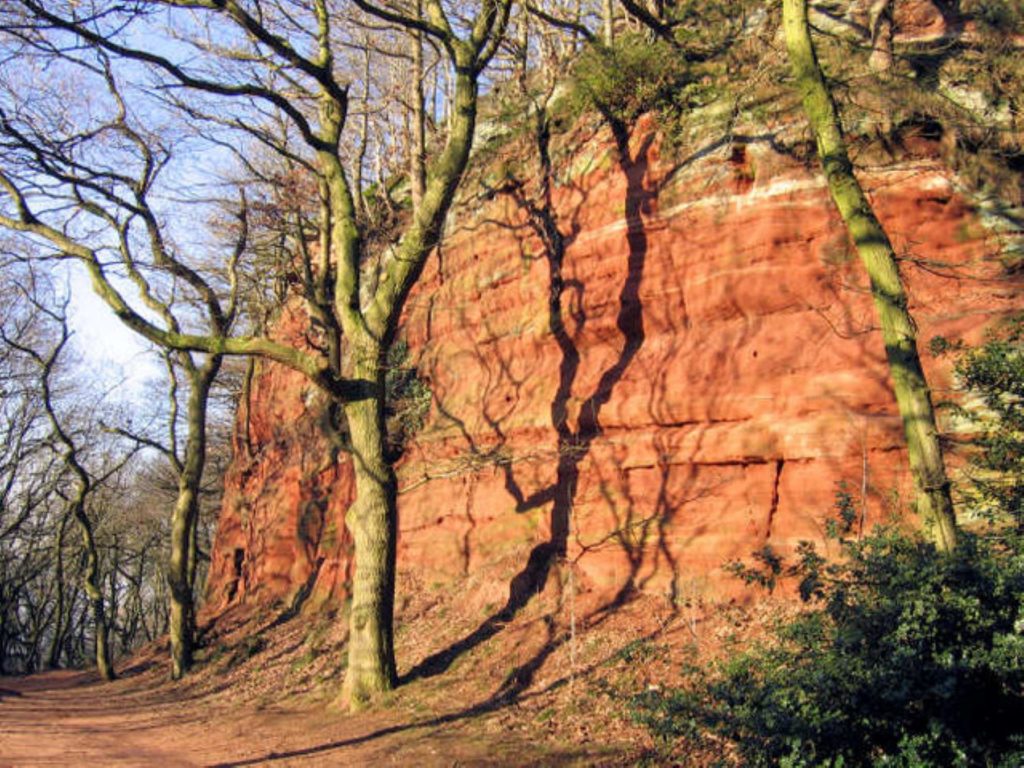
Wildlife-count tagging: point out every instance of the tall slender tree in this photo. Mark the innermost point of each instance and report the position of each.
(46, 572)
(899, 333)
(82, 482)
(187, 461)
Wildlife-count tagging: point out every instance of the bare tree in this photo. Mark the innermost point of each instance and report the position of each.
(104, 169)
(30, 474)
(279, 67)
(83, 482)
(180, 487)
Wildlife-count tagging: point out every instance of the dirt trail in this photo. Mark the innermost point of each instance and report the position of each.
(261, 693)
(71, 719)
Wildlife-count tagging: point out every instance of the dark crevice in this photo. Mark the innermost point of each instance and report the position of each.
(775, 497)
(236, 574)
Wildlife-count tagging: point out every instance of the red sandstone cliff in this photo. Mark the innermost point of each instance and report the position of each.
(719, 343)
(691, 382)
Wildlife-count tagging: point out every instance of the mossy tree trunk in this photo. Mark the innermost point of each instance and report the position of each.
(181, 567)
(369, 331)
(899, 334)
(418, 127)
(373, 522)
(91, 582)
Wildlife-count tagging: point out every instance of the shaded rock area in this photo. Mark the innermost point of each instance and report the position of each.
(684, 374)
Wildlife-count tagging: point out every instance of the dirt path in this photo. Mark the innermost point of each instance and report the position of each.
(71, 719)
(261, 689)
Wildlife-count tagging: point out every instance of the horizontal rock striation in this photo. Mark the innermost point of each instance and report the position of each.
(684, 374)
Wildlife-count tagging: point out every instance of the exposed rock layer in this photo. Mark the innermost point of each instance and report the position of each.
(691, 384)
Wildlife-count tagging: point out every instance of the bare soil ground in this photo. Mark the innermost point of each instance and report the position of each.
(71, 719)
(544, 689)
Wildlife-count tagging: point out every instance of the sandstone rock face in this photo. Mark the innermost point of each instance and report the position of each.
(281, 529)
(689, 382)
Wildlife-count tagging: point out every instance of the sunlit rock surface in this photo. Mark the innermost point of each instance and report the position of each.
(693, 383)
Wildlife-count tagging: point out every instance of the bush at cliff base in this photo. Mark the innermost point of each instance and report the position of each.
(905, 656)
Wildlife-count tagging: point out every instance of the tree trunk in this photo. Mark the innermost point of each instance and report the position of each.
(373, 521)
(182, 618)
(522, 49)
(91, 583)
(369, 325)
(193, 550)
(53, 658)
(418, 145)
(363, 136)
(898, 331)
(104, 662)
(181, 567)
(112, 586)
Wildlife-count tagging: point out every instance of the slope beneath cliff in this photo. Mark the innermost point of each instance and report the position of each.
(661, 361)
(536, 693)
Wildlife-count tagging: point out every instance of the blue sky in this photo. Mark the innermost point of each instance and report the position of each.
(116, 356)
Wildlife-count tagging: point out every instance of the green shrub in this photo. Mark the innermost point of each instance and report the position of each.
(997, 16)
(634, 76)
(407, 398)
(908, 658)
(994, 372)
(905, 656)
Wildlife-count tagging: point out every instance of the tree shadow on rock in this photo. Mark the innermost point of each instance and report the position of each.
(574, 439)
